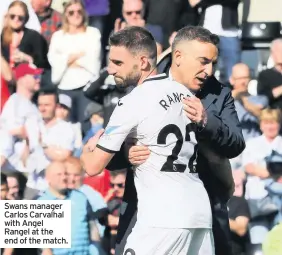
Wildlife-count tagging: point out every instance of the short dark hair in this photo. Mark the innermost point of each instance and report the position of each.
(3, 180)
(49, 92)
(136, 39)
(191, 33)
(117, 172)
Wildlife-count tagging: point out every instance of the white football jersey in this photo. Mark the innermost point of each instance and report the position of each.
(170, 193)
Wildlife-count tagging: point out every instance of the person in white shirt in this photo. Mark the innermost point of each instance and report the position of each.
(33, 22)
(63, 112)
(74, 55)
(57, 143)
(20, 118)
(173, 204)
(254, 161)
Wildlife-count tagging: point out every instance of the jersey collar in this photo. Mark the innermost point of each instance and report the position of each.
(156, 77)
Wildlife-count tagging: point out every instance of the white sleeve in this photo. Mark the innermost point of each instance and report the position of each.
(13, 114)
(65, 137)
(91, 61)
(249, 154)
(6, 144)
(124, 119)
(57, 59)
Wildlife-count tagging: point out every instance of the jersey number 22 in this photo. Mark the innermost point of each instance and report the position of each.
(169, 166)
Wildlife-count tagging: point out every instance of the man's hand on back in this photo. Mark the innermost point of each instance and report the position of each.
(138, 154)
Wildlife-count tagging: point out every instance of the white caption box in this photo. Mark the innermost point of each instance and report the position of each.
(35, 224)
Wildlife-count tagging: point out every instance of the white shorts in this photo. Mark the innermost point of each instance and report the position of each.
(164, 241)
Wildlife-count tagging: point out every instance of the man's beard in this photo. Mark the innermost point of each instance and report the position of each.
(131, 79)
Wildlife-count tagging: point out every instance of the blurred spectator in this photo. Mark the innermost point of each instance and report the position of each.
(105, 92)
(254, 161)
(20, 44)
(97, 10)
(80, 219)
(16, 183)
(239, 216)
(6, 78)
(32, 23)
(168, 15)
(50, 19)
(248, 107)
(133, 15)
(57, 143)
(4, 187)
(20, 118)
(63, 112)
(221, 18)
(58, 5)
(114, 200)
(74, 55)
(13, 186)
(100, 182)
(75, 175)
(270, 80)
(94, 114)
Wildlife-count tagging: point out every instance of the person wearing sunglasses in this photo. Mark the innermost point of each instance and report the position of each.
(114, 201)
(74, 55)
(20, 44)
(133, 15)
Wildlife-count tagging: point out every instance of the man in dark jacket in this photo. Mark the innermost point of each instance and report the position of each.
(219, 140)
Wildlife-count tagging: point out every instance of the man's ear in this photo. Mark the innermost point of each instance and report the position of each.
(177, 57)
(145, 64)
(231, 80)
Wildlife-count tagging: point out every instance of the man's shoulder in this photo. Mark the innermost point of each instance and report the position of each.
(213, 86)
(267, 71)
(56, 15)
(77, 194)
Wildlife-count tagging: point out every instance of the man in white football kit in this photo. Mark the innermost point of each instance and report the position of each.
(174, 214)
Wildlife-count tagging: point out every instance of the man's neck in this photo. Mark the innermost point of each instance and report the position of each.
(147, 75)
(176, 76)
(44, 13)
(58, 194)
(50, 122)
(25, 93)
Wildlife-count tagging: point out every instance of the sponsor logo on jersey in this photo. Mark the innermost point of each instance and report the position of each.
(110, 129)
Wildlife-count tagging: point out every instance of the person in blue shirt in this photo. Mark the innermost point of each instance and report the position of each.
(75, 175)
(83, 228)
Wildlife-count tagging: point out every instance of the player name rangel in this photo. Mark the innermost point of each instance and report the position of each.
(172, 99)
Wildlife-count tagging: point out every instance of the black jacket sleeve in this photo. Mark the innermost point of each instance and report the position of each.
(263, 87)
(119, 161)
(223, 131)
(35, 45)
(92, 89)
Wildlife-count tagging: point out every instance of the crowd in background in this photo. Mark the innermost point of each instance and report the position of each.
(56, 94)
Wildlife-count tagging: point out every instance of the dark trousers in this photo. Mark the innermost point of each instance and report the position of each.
(221, 229)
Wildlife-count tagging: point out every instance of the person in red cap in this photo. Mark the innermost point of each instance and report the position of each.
(20, 116)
